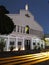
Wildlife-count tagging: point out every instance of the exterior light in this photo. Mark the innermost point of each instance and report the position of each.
(26, 7)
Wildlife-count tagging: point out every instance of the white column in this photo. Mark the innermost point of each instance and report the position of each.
(43, 44)
(16, 44)
(40, 43)
(22, 46)
(7, 44)
(32, 44)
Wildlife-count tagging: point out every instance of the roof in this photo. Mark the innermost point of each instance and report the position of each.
(25, 18)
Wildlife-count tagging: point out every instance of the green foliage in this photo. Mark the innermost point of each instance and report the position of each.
(2, 44)
(11, 48)
(35, 47)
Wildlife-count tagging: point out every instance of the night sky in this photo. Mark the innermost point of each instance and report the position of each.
(38, 8)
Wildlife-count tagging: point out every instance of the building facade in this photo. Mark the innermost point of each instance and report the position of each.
(27, 32)
(47, 40)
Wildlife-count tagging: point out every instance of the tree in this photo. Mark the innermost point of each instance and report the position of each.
(3, 10)
(6, 23)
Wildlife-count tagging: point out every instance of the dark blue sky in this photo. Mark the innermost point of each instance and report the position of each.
(39, 8)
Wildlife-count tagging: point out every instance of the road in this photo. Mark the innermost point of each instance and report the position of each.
(30, 59)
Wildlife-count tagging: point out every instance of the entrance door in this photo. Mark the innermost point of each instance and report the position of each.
(27, 44)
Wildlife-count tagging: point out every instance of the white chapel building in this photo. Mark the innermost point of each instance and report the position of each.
(27, 34)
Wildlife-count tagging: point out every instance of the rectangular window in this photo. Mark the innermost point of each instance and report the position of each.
(23, 29)
(19, 43)
(18, 29)
(11, 42)
(14, 28)
(34, 43)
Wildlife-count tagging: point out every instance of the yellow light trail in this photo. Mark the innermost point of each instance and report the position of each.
(26, 59)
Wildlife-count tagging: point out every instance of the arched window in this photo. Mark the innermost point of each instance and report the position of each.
(27, 29)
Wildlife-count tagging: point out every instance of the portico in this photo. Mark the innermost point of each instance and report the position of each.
(21, 42)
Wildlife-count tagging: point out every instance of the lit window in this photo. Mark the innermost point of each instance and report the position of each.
(27, 29)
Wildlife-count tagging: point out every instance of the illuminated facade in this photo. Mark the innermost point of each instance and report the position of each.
(27, 33)
(47, 40)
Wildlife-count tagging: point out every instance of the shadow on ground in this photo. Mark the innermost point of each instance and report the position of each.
(18, 53)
